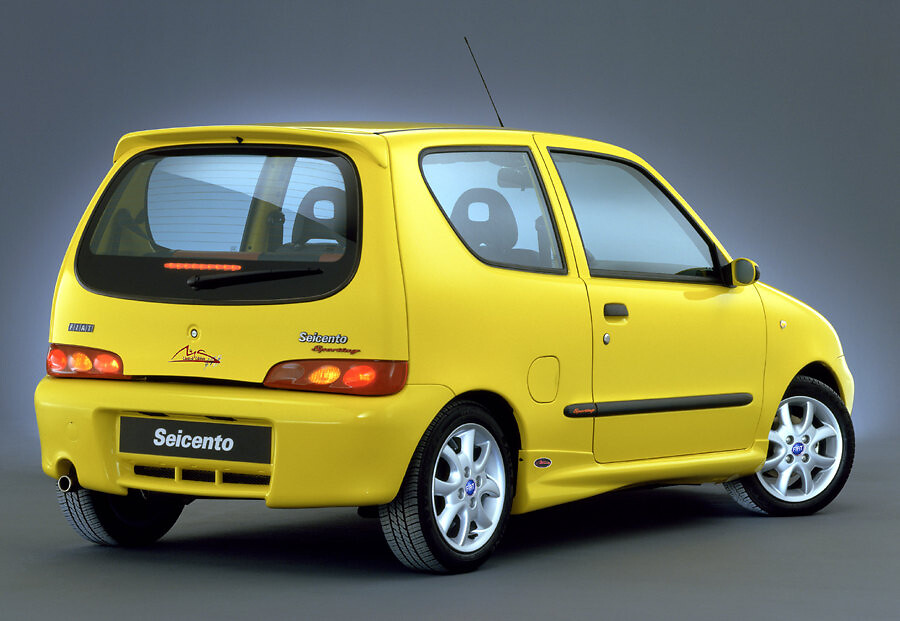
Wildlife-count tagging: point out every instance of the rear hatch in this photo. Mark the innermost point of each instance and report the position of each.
(218, 258)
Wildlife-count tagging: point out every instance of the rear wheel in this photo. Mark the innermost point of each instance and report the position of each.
(138, 519)
(811, 450)
(455, 499)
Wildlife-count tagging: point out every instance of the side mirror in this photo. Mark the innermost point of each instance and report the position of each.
(741, 272)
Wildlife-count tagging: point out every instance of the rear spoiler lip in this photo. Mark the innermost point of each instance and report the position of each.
(374, 145)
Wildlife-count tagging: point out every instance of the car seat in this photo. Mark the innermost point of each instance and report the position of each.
(328, 232)
(491, 239)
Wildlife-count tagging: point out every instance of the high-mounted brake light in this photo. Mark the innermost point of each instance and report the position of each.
(350, 377)
(220, 267)
(74, 361)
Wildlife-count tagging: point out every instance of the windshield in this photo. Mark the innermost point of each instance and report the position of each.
(169, 217)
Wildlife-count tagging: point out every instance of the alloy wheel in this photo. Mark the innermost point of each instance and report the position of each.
(805, 450)
(468, 487)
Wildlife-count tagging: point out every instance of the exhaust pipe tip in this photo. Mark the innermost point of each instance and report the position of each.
(65, 483)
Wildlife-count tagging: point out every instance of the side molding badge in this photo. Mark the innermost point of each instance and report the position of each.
(542, 462)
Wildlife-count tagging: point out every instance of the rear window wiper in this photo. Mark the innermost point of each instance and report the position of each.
(214, 281)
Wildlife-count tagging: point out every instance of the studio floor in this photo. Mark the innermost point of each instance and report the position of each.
(669, 553)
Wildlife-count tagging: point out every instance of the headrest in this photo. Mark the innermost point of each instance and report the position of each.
(335, 221)
(497, 233)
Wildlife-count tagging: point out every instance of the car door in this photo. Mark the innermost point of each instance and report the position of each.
(678, 357)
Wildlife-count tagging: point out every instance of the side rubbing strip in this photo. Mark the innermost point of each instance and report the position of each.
(580, 410)
(647, 406)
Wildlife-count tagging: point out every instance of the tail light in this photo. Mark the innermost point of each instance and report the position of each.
(349, 377)
(74, 361)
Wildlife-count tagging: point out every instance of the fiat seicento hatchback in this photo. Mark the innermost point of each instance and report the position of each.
(439, 325)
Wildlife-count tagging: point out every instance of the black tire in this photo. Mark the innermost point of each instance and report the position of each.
(138, 519)
(409, 522)
(751, 493)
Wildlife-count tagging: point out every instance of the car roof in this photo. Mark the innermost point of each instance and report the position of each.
(353, 131)
(372, 127)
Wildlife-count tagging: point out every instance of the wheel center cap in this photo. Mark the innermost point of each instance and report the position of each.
(797, 448)
(470, 487)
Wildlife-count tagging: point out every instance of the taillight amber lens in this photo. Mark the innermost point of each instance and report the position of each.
(74, 361)
(349, 377)
(324, 375)
(80, 362)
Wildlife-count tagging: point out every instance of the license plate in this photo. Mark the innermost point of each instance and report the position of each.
(175, 438)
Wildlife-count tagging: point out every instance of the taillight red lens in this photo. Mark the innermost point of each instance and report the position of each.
(56, 360)
(74, 361)
(351, 377)
(107, 363)
(359, 376)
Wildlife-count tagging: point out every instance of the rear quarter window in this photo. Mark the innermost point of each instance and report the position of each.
(495, 203)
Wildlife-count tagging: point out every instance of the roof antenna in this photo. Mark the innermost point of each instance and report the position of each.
(499, 120)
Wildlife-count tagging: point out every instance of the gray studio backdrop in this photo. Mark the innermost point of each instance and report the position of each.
(776, 121)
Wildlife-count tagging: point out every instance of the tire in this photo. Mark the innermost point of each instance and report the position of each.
(138, 519)
(811, 451)
(454, 502)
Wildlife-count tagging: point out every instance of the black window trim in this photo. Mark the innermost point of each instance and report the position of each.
(715, 251)
(213, 149)
(560, 271)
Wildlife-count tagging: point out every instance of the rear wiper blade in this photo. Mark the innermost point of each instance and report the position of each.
(213, 281)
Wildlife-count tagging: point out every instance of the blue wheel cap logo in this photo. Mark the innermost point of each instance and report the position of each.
(797, 448)
(470, 487)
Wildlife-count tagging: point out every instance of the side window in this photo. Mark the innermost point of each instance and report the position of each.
(627, 223)
(496, 205)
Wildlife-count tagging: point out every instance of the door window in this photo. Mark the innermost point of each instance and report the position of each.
(628, 225)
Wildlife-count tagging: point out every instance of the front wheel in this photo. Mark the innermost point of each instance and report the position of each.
(456, 496)
(811, 450)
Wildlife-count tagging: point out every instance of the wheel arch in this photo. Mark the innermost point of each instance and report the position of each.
(502, 411)
(820, 371)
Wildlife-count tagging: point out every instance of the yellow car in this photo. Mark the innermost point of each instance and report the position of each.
(440, 325)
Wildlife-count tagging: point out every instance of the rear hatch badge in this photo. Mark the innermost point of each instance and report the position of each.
(186, 354)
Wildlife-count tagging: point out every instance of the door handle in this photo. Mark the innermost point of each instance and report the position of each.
(615, 310)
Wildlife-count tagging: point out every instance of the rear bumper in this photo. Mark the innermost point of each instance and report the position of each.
(327, 450)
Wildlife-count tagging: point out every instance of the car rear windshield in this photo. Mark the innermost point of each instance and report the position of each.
(233, 225)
